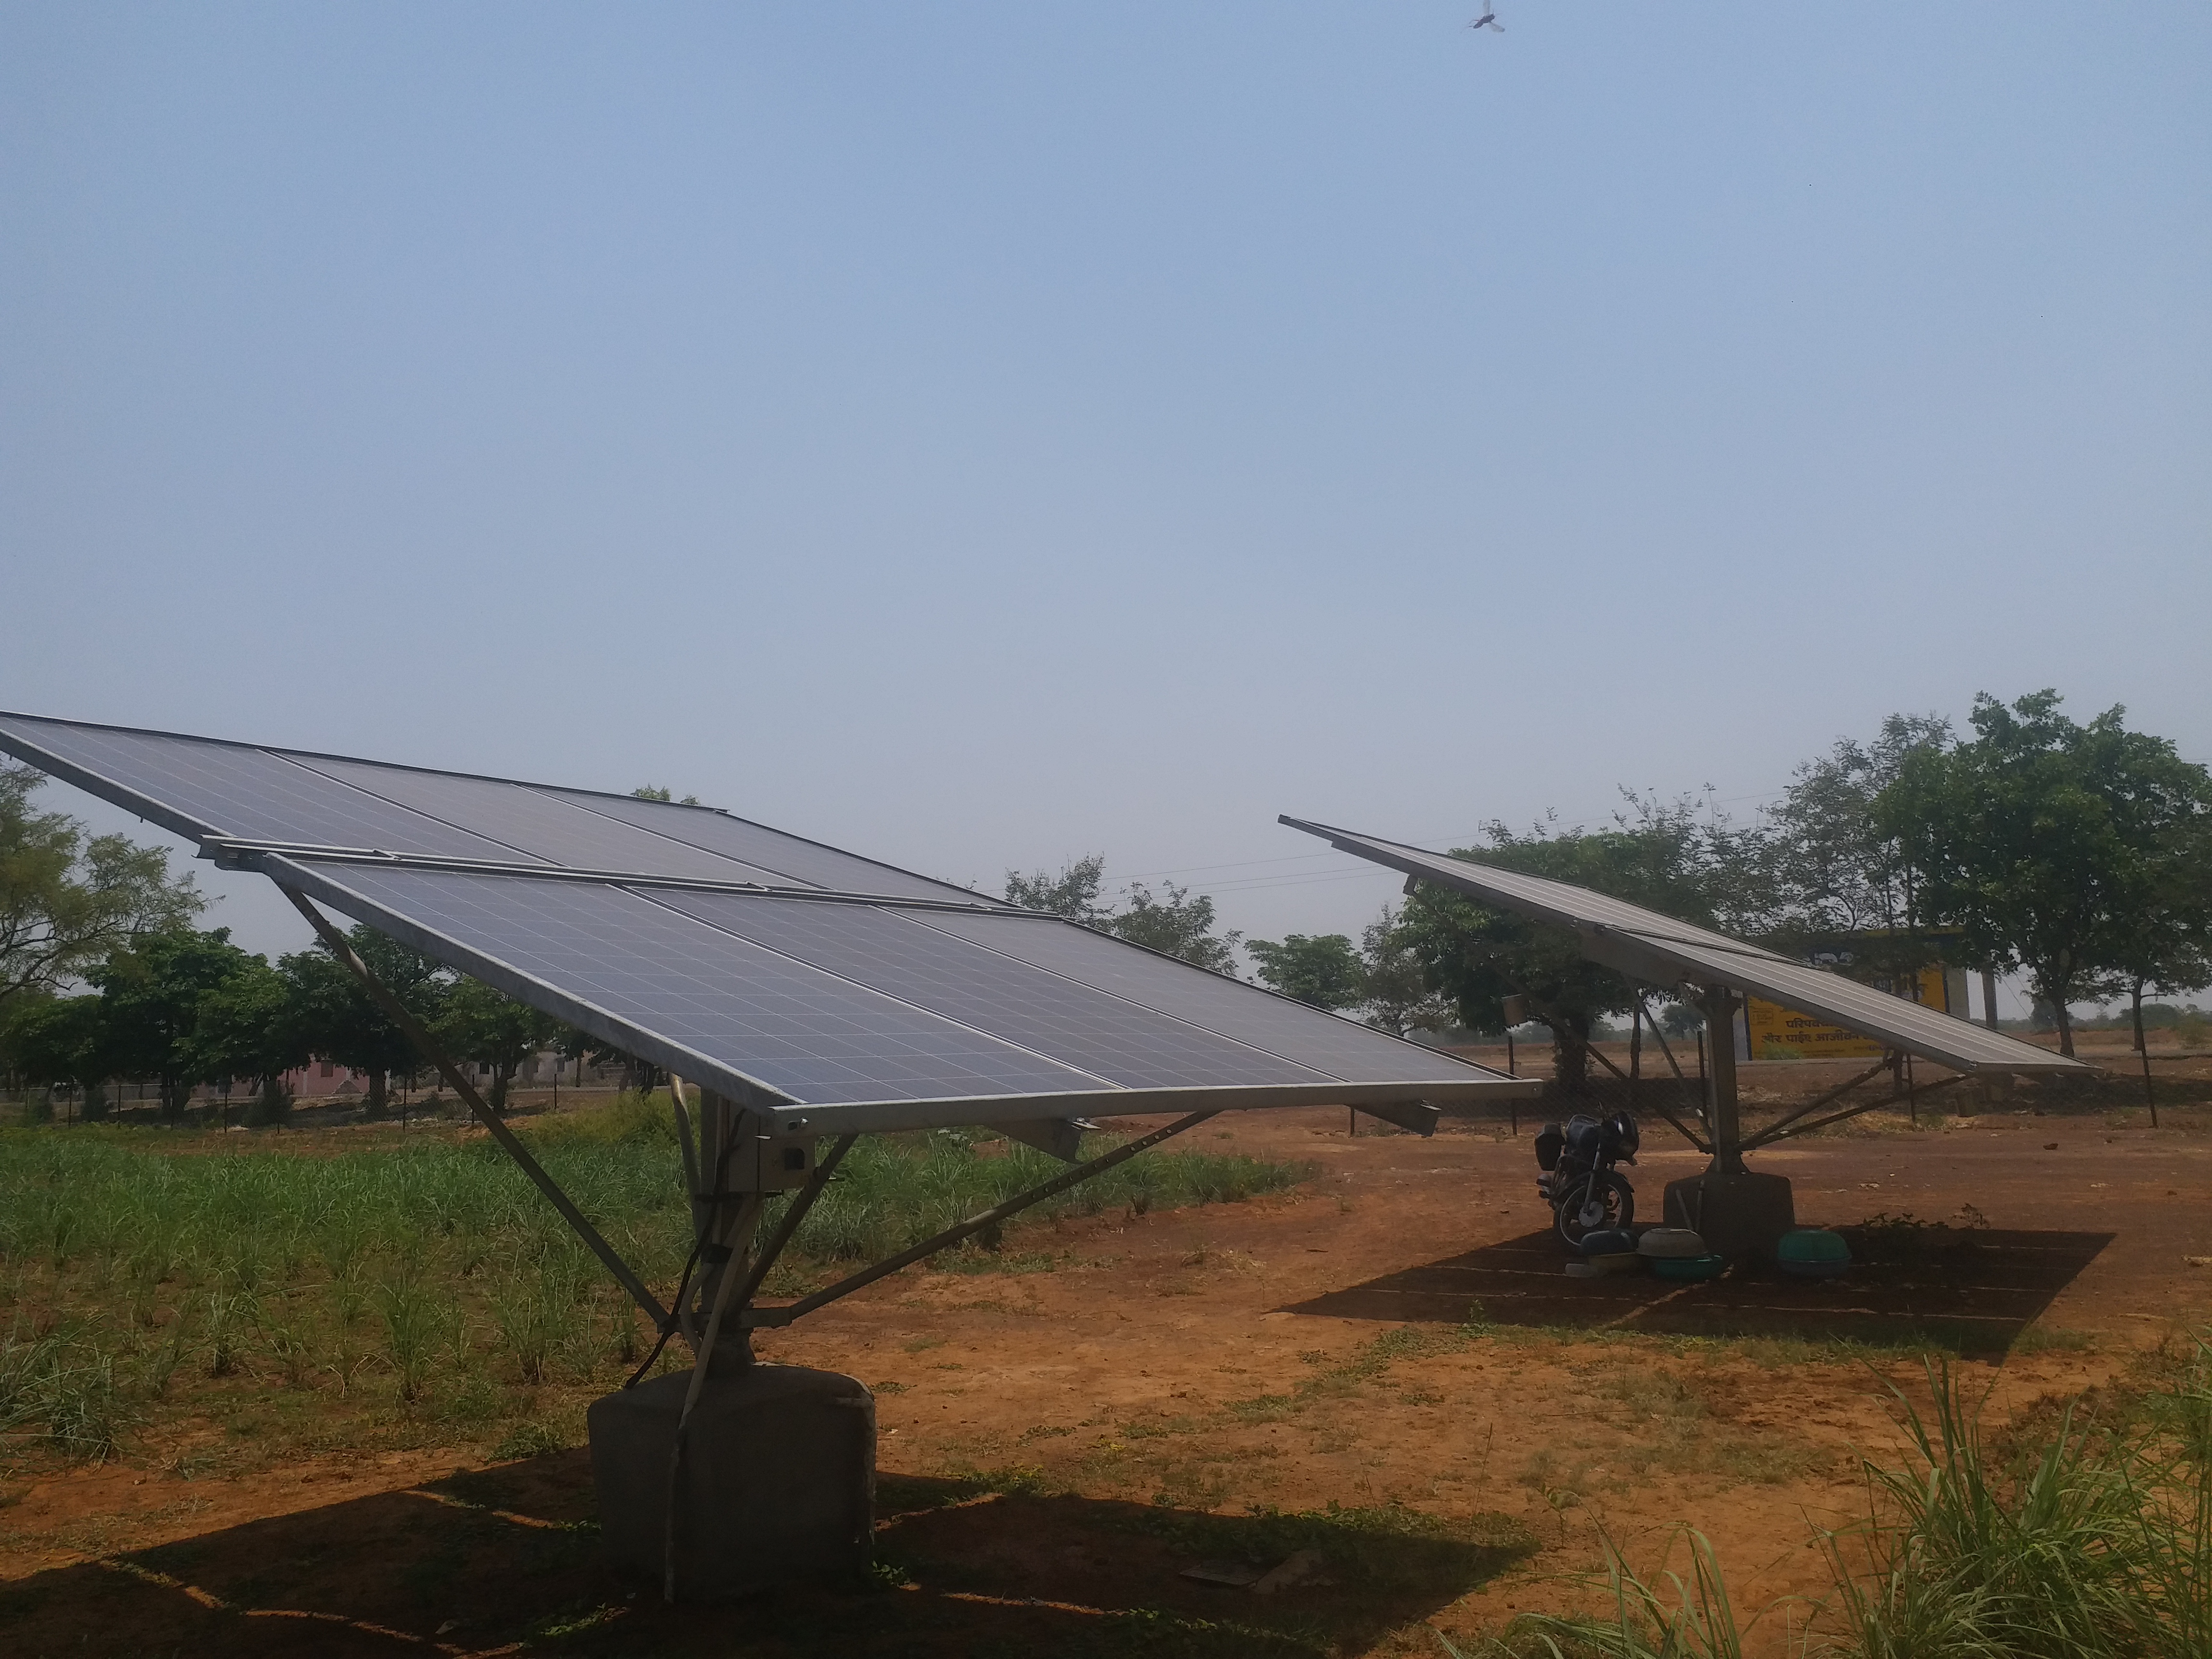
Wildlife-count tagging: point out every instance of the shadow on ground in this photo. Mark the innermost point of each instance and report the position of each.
(1972, 1291)
(506, 1560)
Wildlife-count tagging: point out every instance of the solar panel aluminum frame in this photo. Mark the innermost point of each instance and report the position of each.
(1698, 958)
(794, 1117)
(239, 853)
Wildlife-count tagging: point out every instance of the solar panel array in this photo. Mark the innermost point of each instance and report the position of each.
(917, 1002)
(1706, 958)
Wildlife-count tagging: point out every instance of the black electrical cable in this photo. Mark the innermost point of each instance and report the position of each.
(676, 1314)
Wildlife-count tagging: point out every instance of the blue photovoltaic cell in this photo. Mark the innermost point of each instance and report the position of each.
(229, 789)
(888, 950)
(538, 823)
(800, 863)
(806, 1033)
(1336, 1047)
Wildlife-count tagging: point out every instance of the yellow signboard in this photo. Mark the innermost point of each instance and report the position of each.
(1779, 1033)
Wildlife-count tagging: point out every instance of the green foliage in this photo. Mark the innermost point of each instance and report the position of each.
(53, 1040)
(332, 1015)
(63, 1389)
(1169, 922)
(246, 1027)
(1676, 1618)
(655, 792)
(1394, 988)
(67, 900)
(1966, 1556)
(484, 1026)
(2093, 1540)
(1174, 924)
(152, 995)
(2075, 851)
(1072, 893)
(1324, 969)
(427, 1264)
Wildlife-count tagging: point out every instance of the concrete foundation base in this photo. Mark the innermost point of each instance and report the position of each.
(777, 1482)
(1736, 1213)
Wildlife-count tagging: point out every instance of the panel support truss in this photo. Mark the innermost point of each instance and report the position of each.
(760, 1317)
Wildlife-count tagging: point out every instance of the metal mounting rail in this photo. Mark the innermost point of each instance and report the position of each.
(237, 853)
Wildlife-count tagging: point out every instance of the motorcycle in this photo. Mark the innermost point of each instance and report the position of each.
(1576, 1175)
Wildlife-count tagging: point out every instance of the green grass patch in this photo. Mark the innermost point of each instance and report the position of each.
(143, 1268)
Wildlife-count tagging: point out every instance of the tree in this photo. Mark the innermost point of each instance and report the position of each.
(2163, 941)
(489, 1028)
(1657, 854)
(248, 1028)
(2048, 843)
(1832, 866)
(57, 1040)
(1395, 990)
(1072, 893)
(1322, 969)
(152, 994)
(336, 1019)
(1176, 925)
(65, 901)
(1172, 922)
(654, 791)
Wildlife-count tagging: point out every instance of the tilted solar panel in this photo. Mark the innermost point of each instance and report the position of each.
(1611, 927)
(196, 786)
(796, 861)
(755, 1014)
(840, 992)
(539, 823)
(897, 952)
(1339, 1048)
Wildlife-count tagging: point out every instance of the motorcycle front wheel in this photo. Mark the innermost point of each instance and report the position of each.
(1594, 1203)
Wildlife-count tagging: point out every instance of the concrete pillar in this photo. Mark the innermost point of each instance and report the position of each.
(1738, 1214)
(776, 1484)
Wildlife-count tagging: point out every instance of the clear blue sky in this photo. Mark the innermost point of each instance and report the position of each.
(980, 435)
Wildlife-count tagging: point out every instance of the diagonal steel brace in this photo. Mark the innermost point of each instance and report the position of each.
(757, 1317)
(401, 1016)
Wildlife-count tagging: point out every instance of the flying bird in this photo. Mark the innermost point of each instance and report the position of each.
(1488, 21)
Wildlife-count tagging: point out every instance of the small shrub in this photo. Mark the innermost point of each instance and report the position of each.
(416, 1317)
(532, 1439)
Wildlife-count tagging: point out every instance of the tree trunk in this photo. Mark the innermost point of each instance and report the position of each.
(2064, 1017)
(2141, 1047)
(1570, 1059)
(379, 1093)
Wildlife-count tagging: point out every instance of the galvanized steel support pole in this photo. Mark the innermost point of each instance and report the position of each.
(1721, 1105)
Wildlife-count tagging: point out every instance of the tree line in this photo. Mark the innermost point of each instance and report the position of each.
(181, 1007)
